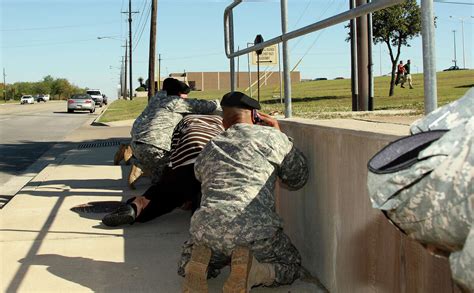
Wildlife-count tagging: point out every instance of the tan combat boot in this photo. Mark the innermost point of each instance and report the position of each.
(127, 154)
(195, 280)
(135, 173)
(119, 155)
(247, 272)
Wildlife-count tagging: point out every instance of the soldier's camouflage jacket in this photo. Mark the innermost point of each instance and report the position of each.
(432, 201)
(156, 123)
(238, 170)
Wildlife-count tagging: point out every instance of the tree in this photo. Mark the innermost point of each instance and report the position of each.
(140, 80)
(395, 26)
(61, 86)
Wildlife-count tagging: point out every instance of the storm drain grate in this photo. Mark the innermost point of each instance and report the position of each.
(99, 144)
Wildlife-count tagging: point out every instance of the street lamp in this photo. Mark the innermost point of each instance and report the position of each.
(109, 37)
(124, 64)
(462, 31)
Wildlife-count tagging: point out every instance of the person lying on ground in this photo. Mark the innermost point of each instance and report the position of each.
(152, 130)
(178, 185)
(237, 222)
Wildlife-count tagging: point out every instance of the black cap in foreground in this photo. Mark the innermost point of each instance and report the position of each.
(239, 100)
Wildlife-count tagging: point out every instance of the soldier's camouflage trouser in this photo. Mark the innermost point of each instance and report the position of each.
(277, 250)
(150, 158)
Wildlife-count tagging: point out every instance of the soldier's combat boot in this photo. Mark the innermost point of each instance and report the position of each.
(125, 214)
(195, 280)
(135, 173)
(247, 272)
(119, 154)
(127, 154)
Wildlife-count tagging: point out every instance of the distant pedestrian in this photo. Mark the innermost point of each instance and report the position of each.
(400, 72)
(407, 76)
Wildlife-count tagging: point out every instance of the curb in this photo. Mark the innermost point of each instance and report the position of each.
(95, 123)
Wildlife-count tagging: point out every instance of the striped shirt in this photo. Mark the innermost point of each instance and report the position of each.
(190, 136)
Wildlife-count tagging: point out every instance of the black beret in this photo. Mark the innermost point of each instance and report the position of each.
(174, 87)
(239, 100)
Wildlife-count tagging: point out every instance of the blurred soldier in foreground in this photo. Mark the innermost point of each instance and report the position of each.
(424, 184)
(178, 184)
(237, 222)
(152, 130)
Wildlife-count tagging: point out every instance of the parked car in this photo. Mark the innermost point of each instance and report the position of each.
(452, 68)
(83, 102)
(96, 96)
(27, 99)
(42, 98)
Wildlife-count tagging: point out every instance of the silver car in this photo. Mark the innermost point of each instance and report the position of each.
(82, 102)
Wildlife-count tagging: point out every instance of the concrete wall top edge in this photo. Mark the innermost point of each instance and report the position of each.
(382, 130)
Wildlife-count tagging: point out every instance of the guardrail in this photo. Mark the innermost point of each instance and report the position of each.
(428, 40)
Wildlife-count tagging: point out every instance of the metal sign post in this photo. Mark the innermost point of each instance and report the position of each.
(258, 40)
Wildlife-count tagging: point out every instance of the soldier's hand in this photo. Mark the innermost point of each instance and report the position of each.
(269, 120)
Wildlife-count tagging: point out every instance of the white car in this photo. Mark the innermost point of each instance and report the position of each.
(96, 96)
(27, 99)
(42, 98)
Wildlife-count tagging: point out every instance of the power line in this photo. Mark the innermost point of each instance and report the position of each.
(139, 22)
(143, 28)
(50, 44)
(453, 2)
(54, 27)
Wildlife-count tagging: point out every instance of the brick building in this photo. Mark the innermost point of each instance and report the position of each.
(221, 80)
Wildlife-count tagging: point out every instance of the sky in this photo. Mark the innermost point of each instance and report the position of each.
(60, 38)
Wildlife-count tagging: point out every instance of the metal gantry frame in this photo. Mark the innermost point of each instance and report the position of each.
(429, 64)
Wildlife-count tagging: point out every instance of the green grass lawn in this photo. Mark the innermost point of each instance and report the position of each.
(314, 98)
(2, 101)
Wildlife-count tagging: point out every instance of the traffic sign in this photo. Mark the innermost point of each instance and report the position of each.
(268, 56)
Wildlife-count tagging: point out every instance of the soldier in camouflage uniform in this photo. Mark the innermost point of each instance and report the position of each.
(152, 130)
(238, 170)
(432, 200)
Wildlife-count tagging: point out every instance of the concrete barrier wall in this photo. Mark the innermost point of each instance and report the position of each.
(343, 241)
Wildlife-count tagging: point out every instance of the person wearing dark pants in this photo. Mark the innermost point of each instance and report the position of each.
(178, 185)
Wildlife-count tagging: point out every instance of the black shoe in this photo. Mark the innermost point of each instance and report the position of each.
(125, 214)
(402, 86)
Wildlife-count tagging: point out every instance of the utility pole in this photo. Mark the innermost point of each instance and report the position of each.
(463, 52)
(371, 60)
(122, 78)
(130, 43)
(125, 74)
(455, 60)
(354, 79)
(362, 59)
(238, 67)
(159, 72)
(4, 85)
(250, 73)
(151, 65)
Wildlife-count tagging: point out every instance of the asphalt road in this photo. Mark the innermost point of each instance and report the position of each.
(28, 131)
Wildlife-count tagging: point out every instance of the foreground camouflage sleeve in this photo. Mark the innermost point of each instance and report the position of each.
(448, 116)
(462, 263)
(293, 171)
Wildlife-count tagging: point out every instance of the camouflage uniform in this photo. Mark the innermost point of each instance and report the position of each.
(238, 170)
(152, 130)
(433, 200)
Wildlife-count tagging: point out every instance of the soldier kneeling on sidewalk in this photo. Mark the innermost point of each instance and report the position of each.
(237, 223)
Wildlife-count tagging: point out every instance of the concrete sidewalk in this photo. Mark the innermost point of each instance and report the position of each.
(47, 247)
